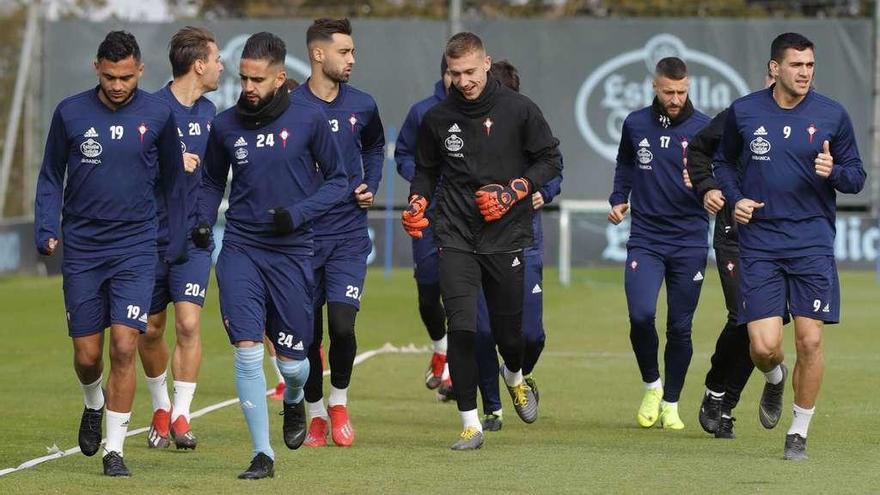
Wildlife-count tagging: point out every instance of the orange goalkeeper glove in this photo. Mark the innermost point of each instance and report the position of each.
(494, 200)
(413, 218)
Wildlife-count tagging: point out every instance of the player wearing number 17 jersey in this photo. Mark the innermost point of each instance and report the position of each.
(115, 144)
(668, 237)
(784, 152)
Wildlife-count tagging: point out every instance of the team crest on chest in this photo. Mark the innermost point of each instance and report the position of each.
(454, 143)
(353, 120)
(488, 125)
(644, 155)
(760, 146)
(284, 135)
(684, 147)
(142, 129)
(811, 131)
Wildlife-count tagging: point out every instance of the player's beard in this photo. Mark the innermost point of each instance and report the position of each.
(261, 102)
(120, 102)
(339, 75)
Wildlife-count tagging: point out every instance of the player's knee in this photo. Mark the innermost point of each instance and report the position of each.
(808, 346)
(122, 354)
(187, 327)
(155, 332)
(762, 351)
(340, 318)
(86, 358)
(642, 317)
(295, 371)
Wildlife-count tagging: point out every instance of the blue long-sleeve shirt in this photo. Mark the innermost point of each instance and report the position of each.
(277, 165)
(649, 177)
(115, 161)
(550, 190)
(778, 148)
(405, 149)
(193, 128)
(354, 120)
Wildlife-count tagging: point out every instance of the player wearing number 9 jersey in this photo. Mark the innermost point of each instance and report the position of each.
(784, 152)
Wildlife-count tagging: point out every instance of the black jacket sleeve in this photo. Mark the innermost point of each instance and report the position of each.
(541, 148)
(429, 160)
(700, 152)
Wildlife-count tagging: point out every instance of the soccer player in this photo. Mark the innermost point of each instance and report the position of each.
(784, 152)
(493, 148)
(287, 171)
(115, 143)
(342, 242)
(668, 236)
(533, 297)
(424, 250)
(731, 364)
(196, 68)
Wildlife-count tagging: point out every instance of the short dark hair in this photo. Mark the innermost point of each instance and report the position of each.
(119, 45)
(785, 41)
(265, 46)
(505, 72)
(672, 68)
(323, 29)
(461, 44)
(186, 46)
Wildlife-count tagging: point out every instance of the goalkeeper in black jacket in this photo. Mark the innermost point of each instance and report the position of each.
(493, 148)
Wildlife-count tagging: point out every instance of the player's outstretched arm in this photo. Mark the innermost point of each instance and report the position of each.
(727, 159)
(428, 163)
(326, 151)
(405, 148)
(373, 151)
(623, 171)
(174, 180)
(50, 187)
(541, 148)
(213, 184)
(847, 174)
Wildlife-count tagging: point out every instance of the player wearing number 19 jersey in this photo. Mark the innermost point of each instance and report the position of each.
(195, 64)
(115, 144)
(784, 152)
(668, 237)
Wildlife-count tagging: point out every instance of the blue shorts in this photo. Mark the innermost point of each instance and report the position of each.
(113, 290)
(186, 282)
(426, 260)
(266, 292)
(340, 267)
(808, 284)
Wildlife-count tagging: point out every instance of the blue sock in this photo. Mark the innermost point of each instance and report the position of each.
(295, 374)
(250, 382)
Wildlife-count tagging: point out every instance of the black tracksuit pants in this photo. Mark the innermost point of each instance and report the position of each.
(462, 275)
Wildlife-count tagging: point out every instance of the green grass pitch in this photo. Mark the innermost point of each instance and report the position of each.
(585, 441)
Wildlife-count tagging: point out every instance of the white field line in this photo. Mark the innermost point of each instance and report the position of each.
(56, 453)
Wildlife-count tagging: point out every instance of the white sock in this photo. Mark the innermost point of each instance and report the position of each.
(800, 421)
(338, 396)
(658, 384)
(159, 392)
(440, 345)
(117, 427)
(498, 413)
(774, 376)
(510, 378)
(716, 395)
(445, 375)
(471, 419)
(183, 396)
(317, 409)
(274, 361)
(93, 396)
